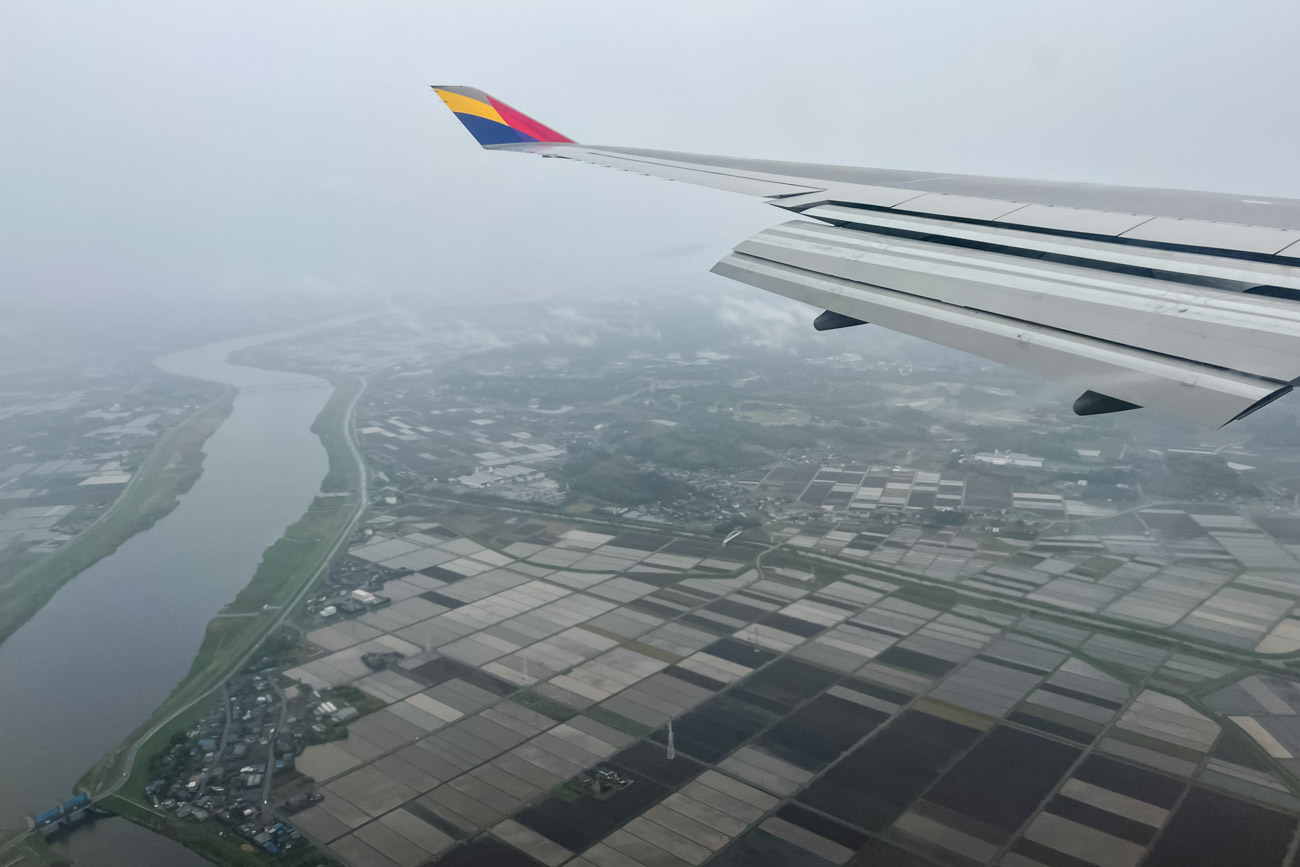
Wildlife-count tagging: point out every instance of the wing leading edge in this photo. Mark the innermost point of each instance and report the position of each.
(1180, 301)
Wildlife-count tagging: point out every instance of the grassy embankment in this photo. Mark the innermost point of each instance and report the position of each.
(169, 471)
(286, 567)
(31, 851)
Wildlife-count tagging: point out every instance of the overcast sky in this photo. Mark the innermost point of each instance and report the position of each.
(275, 149)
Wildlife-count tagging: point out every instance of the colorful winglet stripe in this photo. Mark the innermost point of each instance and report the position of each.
(523, 123)
(461, 104)
(491, 121)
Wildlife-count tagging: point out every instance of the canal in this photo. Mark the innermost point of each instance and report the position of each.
(94, 663)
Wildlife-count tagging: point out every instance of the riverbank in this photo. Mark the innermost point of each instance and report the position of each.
(27, 850)
(288, 570)
(171, 469)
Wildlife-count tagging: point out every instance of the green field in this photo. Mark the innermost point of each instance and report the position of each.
(170, 470)
(330, 426)
(286, 568)
(28, 850)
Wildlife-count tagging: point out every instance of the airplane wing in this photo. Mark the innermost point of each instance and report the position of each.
(1186, 302)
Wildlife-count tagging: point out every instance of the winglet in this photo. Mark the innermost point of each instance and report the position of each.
(491, 121)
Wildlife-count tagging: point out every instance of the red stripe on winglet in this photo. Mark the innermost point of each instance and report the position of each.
(526, 124)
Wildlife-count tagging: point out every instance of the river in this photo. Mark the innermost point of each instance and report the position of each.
(113, 642)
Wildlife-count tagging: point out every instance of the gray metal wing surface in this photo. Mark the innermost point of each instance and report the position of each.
(1186, 302)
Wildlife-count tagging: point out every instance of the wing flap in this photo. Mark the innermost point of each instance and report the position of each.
(1204, 233)
(1199, 393)
(1252, 335)
(1103, 254)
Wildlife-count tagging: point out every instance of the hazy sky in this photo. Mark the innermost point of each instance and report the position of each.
(276, 149)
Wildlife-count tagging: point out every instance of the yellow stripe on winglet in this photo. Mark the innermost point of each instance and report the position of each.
(468, 105)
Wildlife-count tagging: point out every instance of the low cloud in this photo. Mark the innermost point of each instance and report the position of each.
(764, 320)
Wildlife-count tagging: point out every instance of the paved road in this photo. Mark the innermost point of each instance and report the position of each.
(225, 738)
(270, 751)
